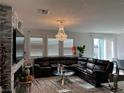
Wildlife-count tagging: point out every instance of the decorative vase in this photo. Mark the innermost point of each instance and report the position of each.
(74, 50)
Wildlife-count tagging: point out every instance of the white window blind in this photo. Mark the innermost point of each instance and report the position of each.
(53, 47)
(67, 45)
(36, 46)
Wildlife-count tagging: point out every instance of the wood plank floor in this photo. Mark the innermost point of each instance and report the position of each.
(51, 85)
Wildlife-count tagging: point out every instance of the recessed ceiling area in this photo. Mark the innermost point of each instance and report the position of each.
(92, 16)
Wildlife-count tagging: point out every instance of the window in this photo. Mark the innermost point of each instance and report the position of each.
(36, 47)
(103, 48)
(99, 48)
(67, 45)
(53, 47)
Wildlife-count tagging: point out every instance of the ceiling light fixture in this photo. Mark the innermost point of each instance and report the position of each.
(61, 35)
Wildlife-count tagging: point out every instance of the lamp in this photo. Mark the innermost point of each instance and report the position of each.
(61, 35)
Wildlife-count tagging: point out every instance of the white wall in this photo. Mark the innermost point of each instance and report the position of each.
(120, 46)
(83, 39)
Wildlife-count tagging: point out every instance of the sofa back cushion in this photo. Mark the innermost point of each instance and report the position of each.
(90, 65)
(99, 68)
(63, 60)
(91, 60)
(43, 62)
(48, 61)
(83, 59)
(102, 65)
(102, 62)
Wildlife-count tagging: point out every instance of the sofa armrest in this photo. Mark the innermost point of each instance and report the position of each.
(100, 75)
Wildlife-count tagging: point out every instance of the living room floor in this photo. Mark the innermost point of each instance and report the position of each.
(77, 85)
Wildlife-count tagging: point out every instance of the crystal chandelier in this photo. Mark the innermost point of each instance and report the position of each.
(61, 35)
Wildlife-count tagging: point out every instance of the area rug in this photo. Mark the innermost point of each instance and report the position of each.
(83, 84)
(78, 85)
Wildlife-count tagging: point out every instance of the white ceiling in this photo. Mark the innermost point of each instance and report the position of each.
(94, 16)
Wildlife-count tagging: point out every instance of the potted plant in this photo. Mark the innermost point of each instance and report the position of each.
(81, 50)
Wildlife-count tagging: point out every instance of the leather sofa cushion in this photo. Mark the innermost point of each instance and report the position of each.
(91, 60)
(90, 66)
(70, 62)
(42, 61)
(45, 68)
(89, 71)
(43, 64)
(102, 62)
(82, 62)
(63, 60)
(85, 59)
(99, 68)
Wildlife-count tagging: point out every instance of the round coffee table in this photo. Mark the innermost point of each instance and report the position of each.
(64, 76)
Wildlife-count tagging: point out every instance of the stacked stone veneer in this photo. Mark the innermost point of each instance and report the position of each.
(6, 38)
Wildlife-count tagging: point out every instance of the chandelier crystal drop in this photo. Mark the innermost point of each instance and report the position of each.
(61, 35)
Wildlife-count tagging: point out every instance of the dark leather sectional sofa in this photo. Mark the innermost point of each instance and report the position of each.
(94, 71)
(46, 65)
